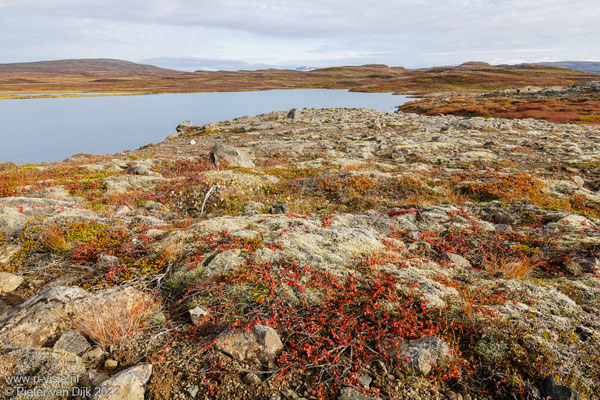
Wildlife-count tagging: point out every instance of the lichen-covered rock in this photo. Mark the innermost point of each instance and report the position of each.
(126, 385)
(73, 342)
(12, 220)
(458, 260)
(184, 125)
(213, 264)
(7, 251)
(9, 282)
(573, 223)
(197, 314)
(42, 319)
(261, 342)
(232, 156)
(353, 394)
(422, 354)
(52, 373)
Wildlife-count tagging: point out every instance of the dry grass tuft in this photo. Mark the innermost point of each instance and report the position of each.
(111, 320)
(510, 267)
(53, 238)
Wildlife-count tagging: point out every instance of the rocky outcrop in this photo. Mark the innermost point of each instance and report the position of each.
(585, 88)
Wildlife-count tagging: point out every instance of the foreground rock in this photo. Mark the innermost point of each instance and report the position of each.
(261, 343)
(72, 342)
(41, 320)
(423, 354)
(126, 385)
(229, 155)
(52, 374)
(9, 282)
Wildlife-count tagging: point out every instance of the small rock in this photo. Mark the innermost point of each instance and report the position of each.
(279, 209)
(454, 396)
(550, 389)
(110, 364)
(4, 308)
(9, 282)
(458, 260)
(7, 251)
(193, 390)
(93, 378)
(422, 354)
(365, 380)
(578, 180)
(232, 156)
(253, 208)
(73, 342)
(352, 394)
(293, 113)
(129, 384)
(184, 125)
(107, 261)
(197, 314)
(123, 210)
(12, 220)
(94, 355)
(252, 379)
(262, 342)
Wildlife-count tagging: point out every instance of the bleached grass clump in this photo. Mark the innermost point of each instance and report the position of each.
(510, 267)
(110, 320)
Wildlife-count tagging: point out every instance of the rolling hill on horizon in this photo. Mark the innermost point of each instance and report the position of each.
(73, 76)
(86, 65)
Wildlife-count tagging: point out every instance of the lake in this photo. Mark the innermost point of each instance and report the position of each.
(52, 129)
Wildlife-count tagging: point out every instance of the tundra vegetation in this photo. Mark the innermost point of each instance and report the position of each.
(346, 253)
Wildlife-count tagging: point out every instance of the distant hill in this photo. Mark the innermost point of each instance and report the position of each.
(117, 76)
(583, 66)
(91, 65)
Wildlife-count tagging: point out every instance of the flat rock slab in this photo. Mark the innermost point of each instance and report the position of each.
(40, 320)
(9, 282)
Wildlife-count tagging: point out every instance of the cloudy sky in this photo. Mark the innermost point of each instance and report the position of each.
(250, 34)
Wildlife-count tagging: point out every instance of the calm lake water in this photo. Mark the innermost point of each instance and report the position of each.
(52, 129)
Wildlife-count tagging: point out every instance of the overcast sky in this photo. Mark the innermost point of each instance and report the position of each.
(249, 34)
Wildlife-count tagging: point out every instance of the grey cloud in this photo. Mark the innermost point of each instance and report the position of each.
(395, 32)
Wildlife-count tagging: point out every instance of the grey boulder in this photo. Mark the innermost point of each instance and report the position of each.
(232, 156)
